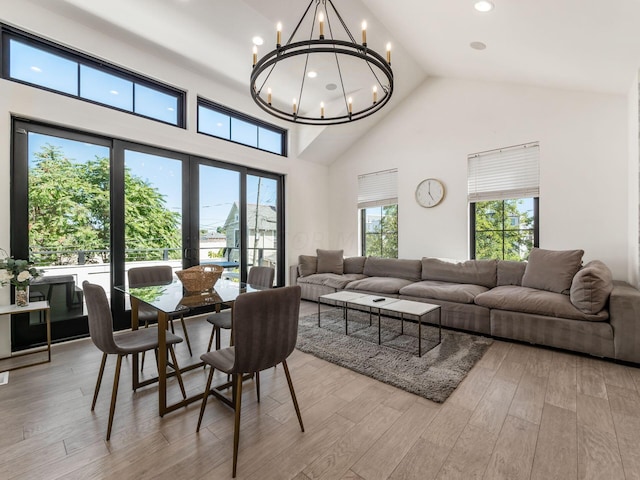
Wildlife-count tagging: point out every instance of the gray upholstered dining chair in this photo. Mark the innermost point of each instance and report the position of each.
(265, 334)
(134, 342)
(154, 275)
(259, 277)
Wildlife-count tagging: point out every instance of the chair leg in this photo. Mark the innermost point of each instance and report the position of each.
(293, 393)
(258, 385)
(236, 427)
(177, 370)
(186, 335)
(213, 331)
(146, 325)
(99, 382)
(218, 332)
(205, 397)
(173, 330)
(114, 395)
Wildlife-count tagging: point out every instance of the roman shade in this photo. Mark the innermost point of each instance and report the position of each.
(503, 174)
(378, 189)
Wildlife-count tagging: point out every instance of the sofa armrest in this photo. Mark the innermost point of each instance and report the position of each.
(624, 313)
(293, 274)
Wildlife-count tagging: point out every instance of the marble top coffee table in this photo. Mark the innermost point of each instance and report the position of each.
(378, 304)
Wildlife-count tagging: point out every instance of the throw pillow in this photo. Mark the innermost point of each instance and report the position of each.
(591, 287)
(330, 261)
(307, 265)
(551, 270)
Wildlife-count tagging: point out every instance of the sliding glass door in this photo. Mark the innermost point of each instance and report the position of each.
(61, 221)
(90, 208)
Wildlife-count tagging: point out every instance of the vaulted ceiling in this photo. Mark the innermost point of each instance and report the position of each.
(574, 44)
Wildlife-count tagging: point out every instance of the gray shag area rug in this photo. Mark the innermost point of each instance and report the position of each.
(434, 376)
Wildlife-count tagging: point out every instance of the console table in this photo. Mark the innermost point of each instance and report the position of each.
(378, 304)
(42, 306)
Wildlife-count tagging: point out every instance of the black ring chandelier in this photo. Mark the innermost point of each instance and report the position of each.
(345, 56)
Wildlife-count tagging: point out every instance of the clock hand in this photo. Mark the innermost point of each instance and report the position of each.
(431, 196)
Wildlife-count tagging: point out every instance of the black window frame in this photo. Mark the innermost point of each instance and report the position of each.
(364, 233)
(472, 227)
(7, 33)
(211, 105)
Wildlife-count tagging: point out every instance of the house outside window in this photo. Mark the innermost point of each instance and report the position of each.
(503, 202)
(378, 206)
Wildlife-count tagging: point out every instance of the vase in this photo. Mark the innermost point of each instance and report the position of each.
(22, 295)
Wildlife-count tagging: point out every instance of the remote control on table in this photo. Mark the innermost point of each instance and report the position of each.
(378, 299)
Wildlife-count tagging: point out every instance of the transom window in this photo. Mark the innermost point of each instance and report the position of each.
(222, 122)
(40, 63)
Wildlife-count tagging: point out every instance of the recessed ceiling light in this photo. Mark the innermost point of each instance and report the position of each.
(483, 6)
(257, 40)
(113, 92)
(331, 86)
(312, 74)
(478, 45)
(36, 69)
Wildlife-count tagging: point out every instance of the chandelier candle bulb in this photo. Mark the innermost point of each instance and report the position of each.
(321, 20)
(295, 108)
(269, 96)
(350, 105)
(389, 53)
(255, 55)
(321, 109)
(279, 34)
(375, 94)
(364, 33)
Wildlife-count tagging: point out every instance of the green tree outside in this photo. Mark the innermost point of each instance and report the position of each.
(381, 231)
(504, 230)
(69, 211)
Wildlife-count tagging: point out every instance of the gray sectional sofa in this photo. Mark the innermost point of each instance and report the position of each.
(550, 300)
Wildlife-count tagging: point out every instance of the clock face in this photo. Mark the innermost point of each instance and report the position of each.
(430, 192)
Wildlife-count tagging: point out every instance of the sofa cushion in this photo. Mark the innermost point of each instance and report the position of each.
(307, 265)
(552, 270)
(330, 261)
(341, 281)
(510, 272)
(531, 300)
(393, 267)
(591, 287)
(382, 285)
(476, 272)
(451, 292)
(330, 279)
(354, 264)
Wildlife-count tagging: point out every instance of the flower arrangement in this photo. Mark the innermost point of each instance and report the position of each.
(17, 272)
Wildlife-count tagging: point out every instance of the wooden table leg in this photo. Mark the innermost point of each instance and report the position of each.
(135, 377)
(162, 362)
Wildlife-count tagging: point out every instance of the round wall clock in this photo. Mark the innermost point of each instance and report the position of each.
(430, 192)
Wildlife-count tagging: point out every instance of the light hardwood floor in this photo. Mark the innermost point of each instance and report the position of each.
(522, 413)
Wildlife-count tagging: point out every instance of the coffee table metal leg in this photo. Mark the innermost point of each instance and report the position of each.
(318, 312)
(346, 319)
(419, 336)
(379, 339)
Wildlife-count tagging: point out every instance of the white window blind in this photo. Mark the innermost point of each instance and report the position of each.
(378, 189)
(506, 173)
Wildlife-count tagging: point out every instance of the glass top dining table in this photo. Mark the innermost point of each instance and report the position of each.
(171, 299)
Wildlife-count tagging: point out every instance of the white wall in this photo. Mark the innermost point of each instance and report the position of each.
(305, 185)
(583, 166)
